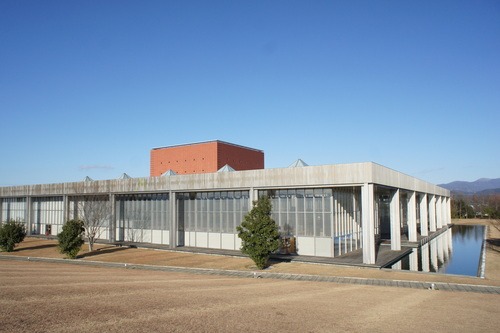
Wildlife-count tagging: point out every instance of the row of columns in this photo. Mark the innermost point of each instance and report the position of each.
(434, 214)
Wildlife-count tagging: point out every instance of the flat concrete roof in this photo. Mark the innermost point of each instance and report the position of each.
(210, 141)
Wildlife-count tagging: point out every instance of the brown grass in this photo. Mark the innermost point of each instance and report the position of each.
(43, 297)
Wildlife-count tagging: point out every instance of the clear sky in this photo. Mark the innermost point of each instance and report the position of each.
(87, 88)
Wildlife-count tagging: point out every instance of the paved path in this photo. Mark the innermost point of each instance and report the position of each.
(269, 275)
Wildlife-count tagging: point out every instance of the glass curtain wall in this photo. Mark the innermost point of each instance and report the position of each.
(212, 212)
(333, 213)
(347, 216)
(47, 215)
(95, 210)
(403, 201)
(138, 216)
(13, 209)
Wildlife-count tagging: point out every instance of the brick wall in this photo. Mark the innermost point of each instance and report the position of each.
(203, 158)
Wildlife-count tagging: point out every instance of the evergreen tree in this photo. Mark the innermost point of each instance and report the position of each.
(11, 233)
(259, 233)
(71, 238)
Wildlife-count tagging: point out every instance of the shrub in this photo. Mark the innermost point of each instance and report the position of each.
(71, 238)
(259, 233)
(11, 233)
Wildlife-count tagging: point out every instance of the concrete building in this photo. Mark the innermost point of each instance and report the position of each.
(330, 210)
(204, 157)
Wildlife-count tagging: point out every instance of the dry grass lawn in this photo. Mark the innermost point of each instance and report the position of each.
(43, 297)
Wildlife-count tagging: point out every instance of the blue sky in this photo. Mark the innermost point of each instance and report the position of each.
(89, 87)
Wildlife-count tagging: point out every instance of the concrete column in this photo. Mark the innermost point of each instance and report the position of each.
(395, 222)
(173, 234)
(368, 216)
(412, 217)
(439, 213)
(413, 258)
(65, 209)
(112, 219)
(424, 221)
(443, 212)
(252, 196)
(448, 210)
(432, 213)
(27, 214)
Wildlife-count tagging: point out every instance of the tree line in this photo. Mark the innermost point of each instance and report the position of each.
(475, 206)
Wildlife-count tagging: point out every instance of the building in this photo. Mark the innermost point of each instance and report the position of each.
(330, 210)
(204, 157)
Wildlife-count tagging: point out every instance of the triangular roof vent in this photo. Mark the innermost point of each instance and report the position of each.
(124, 176)
(88, 179)
(226, 168)
(298, 164)
(169, 172)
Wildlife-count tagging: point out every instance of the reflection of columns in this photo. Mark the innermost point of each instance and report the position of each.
(412, 217)
(432, 213)
(395, 222)
(424, 252)
(450, 240)
(439, 213)
(434, 255)
(439, 243)
(446, 247)
(414, 260)
(368, 223)
(424, 224)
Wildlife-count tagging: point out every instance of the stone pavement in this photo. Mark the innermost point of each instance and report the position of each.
(269, 275)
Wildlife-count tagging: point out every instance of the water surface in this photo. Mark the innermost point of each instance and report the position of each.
(455, 251)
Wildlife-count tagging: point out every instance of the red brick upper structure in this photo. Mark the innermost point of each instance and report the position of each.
(204, 157)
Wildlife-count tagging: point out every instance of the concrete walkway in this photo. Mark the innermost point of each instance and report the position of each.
(385, 256)
(269, 275)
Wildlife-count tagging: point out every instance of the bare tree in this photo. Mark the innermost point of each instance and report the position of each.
(95, 212)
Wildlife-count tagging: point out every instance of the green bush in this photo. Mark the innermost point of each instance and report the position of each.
(11, 233)
(259, 233)
(71, 238)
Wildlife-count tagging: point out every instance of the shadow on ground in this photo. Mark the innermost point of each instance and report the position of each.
(38, 247)
(494, 244)
(101, 251)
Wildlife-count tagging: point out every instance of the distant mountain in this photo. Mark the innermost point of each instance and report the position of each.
(481, 185)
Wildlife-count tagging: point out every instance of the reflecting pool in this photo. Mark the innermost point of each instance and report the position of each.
(455, 251)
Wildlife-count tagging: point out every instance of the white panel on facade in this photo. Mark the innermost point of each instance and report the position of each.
(191, 239)
(103, 233)
(323, 247)
(228, 241)
(156, 237)
(305, 246)
(166, 237)
(237, 243)
(146, 236)
(202, 239)
(214, 240)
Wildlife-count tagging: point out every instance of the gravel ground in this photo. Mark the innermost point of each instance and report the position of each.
(45, 297)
